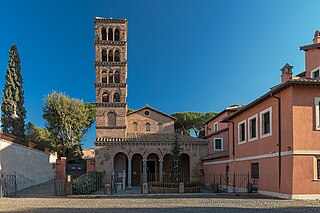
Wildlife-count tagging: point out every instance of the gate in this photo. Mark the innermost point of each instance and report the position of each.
(8, 185)
(59, 186)
(76, 167)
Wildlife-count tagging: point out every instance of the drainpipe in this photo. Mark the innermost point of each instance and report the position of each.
(279, 135)
(233, 153)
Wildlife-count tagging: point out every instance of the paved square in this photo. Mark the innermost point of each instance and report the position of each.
(158, 204)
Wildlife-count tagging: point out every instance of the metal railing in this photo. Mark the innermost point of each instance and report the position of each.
(207, 183)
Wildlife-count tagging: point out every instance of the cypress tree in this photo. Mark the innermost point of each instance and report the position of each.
(13, 93)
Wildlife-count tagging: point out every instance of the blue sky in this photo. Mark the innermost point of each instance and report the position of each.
(183, 55)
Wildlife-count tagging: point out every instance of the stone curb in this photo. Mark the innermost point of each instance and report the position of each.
(215, 195)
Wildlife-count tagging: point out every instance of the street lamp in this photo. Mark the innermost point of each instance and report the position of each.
(13, 116)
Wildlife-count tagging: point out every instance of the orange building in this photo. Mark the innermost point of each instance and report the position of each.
(276, 138)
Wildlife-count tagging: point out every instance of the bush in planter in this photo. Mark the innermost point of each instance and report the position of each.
(87, 183)
(192, 184)
(165, 185)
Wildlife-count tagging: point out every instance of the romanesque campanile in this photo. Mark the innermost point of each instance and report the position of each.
(111, 73)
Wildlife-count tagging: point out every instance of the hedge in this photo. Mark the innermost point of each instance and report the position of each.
(87, 183)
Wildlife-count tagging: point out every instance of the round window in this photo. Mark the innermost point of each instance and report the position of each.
(146, 112)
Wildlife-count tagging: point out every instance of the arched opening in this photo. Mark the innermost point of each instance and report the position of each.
(104, 77)
(185, 167)
(110, 77)
(103, 34)
(105, 97)
(159, 127)
(117, 56)
(117, 77)
(110, 56)
(153, 167)
(135, 126)
(117, 35)
(112, 119)
(110, 34)
(167, 164)
(104, 55)
(148, 127)
(136, 169)
(120, 165)
(116, 97)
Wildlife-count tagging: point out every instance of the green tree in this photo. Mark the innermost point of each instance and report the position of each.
(187, 121)
(67, 121)
(13, 96)
(176, 159)
(40, 136)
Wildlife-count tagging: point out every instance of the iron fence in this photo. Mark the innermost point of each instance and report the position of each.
(8, 185)
(230, 182)
(207, 183)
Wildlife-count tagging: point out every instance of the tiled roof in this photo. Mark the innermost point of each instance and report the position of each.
(231, 108)
(215, 133)
(275, 90)
(154, 137)
(220, 154)
(310, 46)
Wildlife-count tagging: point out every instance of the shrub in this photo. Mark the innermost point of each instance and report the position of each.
(87, 183)
(175, 185)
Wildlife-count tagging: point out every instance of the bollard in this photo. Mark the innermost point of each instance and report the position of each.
(107, 189)
(216, 188)
(145, 188)
(250, 188)
(181, 187)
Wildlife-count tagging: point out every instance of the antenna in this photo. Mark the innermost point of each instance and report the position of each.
(110, 13)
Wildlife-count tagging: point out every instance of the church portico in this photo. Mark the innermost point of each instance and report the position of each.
(148, 161)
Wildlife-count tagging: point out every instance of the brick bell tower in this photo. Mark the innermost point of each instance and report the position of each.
(111, 76)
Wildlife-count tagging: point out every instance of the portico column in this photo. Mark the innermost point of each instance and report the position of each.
(161, 170)
(129, 172)
(144, 171)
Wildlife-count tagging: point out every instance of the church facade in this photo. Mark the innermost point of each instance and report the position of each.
(138, 143)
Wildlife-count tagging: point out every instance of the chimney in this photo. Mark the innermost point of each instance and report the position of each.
(316, 39)
(286, 73)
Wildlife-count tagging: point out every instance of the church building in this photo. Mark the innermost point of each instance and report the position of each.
(138, 143)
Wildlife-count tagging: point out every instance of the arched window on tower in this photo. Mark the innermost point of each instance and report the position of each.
(104, 33)
(110, 34)
(105, 97)
(110, 77)
(117, 77)
(159, 127)
(110, 56)
(104, 55)
(117, 55)
(148, 127)
(117, 35)
(104, 77)
(112, 119)
(116, 97)
(135, 126)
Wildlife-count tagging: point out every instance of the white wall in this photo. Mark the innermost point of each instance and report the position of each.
(31, 166)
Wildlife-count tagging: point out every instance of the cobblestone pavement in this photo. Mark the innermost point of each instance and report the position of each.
(219, 204)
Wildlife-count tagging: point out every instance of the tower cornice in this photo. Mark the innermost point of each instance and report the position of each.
(110, 20)
(98, 85)
(104, 104)
(105, 63)
(115, 43)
